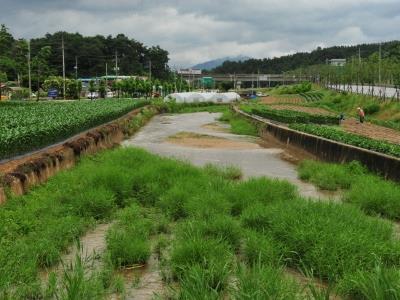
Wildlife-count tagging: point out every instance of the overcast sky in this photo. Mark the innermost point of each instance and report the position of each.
(194, 31)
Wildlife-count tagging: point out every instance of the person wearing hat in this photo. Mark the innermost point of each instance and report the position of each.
(361, 114)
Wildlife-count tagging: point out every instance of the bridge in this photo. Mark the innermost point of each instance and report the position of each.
(239, 79)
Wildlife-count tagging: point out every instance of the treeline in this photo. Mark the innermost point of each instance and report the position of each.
(91, 54)
(302, 60)
(375, 70)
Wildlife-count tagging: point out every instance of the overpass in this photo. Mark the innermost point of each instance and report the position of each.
(239, 79)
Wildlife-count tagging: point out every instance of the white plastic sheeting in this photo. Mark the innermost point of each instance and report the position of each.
(193, 97)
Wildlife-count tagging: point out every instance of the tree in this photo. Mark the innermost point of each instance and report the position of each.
(92, 88)
(102, 89)
(39, 62)
(3, 78)
(54, 82)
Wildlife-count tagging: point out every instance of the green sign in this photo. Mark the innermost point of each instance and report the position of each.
(207, 82)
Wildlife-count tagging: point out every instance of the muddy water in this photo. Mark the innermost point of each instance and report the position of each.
(142, 283)
(91, 246)
(253, 161)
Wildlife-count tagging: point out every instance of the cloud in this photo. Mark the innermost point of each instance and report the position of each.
(194, 31)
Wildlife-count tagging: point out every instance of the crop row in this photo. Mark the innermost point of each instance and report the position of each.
(28, 126)
(349, 138)
(291, 116)
(312, 96)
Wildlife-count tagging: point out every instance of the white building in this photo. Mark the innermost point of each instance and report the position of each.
(336, 62)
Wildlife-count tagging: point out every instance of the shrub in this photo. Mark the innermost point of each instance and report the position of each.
(380, 283)
(375, 196)
(260, 249)
(220, 227)
(199, 283)
(263, 190)
(264, 282)
(210, 255)
(372, 109)
(331, 239)
(126, 247)
(330, 176)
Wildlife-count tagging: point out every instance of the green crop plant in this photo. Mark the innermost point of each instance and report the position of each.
(291, 116)
(28, 126)
(349, 138)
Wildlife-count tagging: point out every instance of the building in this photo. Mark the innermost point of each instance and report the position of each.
(336, 62)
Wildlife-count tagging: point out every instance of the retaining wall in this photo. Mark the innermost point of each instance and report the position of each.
(328, 150)
(23, 173)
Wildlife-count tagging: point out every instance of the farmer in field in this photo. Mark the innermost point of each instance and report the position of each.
(361, 114)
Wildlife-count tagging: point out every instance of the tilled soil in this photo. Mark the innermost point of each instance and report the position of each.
(372, 131)
(277, 100)
(306, 109)
(350, 125)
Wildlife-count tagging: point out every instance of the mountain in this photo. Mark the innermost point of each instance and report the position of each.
(212, 64)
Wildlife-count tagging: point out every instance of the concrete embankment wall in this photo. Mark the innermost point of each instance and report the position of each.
(328, 150)
(23, 173)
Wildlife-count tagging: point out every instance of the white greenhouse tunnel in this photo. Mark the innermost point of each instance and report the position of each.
(193, 97)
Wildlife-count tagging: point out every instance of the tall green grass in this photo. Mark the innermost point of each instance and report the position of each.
(216, 224)
(333, 240)
(238, 124)
(373, 194)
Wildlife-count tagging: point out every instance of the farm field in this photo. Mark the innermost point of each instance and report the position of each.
(25, 127)
(378, 133)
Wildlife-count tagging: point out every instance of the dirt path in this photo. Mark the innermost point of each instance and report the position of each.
(372, 131)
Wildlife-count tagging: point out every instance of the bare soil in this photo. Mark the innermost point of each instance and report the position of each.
(371, 131)
(215, 127)
(306, 109)
(195, 140)
(277, 100)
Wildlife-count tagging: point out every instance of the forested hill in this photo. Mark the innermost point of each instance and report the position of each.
(92, 53)
(298, 60)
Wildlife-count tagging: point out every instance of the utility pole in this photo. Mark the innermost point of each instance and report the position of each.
(150, 70)
(380, 63)
(116, 64)
(29, 69)
(76, 67)
(106, 74)
(63, 58)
